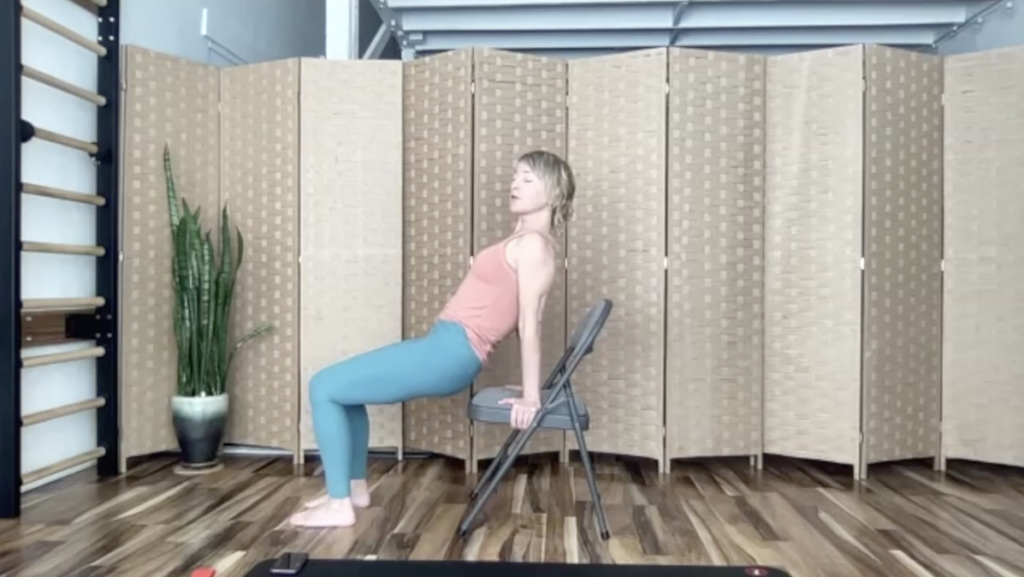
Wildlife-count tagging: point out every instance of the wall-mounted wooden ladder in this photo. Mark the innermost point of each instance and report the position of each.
(27, 323)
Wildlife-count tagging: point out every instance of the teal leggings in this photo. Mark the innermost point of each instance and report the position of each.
(439, 364)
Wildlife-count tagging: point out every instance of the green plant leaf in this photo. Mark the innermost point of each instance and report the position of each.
(204, 284)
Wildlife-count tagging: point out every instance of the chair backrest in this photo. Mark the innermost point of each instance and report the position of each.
(582, 342)
(587, 330)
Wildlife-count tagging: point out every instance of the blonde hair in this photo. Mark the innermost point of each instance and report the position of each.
(557, 176)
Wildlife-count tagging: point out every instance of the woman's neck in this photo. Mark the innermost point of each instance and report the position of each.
(534, 222)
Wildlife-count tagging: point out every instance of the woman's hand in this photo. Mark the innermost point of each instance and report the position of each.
(523, 411)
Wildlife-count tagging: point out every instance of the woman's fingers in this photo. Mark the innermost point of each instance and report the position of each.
(521, 416)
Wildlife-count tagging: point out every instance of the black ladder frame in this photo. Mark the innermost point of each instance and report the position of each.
(14, 131)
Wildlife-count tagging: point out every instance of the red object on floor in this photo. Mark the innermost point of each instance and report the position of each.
(204, 572)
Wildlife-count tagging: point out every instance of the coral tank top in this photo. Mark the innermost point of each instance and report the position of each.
(486, 303)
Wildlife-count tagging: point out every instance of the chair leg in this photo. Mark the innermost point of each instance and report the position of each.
(588, 470)
(495, 464)
(505, 464)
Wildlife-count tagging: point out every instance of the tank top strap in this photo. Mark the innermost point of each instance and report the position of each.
(547, 236)
(503, 247)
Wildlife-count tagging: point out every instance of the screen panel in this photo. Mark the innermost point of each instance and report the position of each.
(351, 212)
(520, 105)
(813, 228)
(983, 335)
(173, 101)
(260, 186)
(715, 297)
(902, 254)
(437, 112)
(616, 245)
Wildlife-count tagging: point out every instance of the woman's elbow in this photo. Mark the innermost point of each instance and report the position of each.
(529, 329)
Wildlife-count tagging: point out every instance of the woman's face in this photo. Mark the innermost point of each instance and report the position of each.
(528, 193)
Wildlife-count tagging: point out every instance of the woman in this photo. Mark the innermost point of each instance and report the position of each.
(505, 290)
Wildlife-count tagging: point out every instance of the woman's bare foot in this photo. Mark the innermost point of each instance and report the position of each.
(359, 492)
(331, 513)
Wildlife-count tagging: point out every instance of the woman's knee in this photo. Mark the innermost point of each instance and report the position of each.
(320, 386)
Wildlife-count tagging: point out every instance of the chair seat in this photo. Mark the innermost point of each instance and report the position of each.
(486, 407)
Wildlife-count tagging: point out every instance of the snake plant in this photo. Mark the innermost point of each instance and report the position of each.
(203, 290)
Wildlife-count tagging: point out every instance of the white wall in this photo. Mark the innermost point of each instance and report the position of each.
(226, 32)
(1000, 28)
(48, 220)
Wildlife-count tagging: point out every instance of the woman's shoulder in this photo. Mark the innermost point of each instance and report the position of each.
(533, 245)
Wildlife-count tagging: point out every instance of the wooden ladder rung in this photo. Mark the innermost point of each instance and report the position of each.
(28, 362)
(91, 5)
(55, 248)
(76, 304)
(87, 5)
(62, 465)
(58, 412)
(61, 194)
(63, 140)
(61, 30)
(63, 85)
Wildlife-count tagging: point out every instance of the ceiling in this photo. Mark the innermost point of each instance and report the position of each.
(572, 28)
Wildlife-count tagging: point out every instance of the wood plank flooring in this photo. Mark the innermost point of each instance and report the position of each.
(809, 519)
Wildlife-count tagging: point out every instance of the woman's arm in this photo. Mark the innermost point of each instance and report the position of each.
(535, 269)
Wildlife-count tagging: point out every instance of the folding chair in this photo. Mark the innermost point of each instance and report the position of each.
(560, 409)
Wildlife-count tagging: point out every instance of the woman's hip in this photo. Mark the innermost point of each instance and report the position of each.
(440, 363)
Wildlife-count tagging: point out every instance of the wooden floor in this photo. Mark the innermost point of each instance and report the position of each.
(905, 521)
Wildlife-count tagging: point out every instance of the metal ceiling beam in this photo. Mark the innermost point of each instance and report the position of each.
(602, 26)
(440, 4)
(391, 25)
(573, 53)
(634, 39)
(677, 19)
(432, 4)
(377, 44)
(679, 15)
(975, 18)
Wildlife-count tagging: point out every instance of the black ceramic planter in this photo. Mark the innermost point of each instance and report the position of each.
(199, 424)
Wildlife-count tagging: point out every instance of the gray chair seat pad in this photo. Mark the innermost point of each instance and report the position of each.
(486, 407)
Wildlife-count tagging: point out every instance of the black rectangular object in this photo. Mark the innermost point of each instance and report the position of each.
(10, 259)
(81, 326)
(359, 568)
(108, 140)
(289, 564)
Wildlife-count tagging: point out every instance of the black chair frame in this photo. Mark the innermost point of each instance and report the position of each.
(557, 391)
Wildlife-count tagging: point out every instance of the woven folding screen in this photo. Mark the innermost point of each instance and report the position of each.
(853, 180)
(715, 294)
(167, 100)
(438, 116)
(351, 215)
(902, 343)
(259, 126)
(813, 230)
(770, 230)
(983, 329)
(616, 244)
(519, 105)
